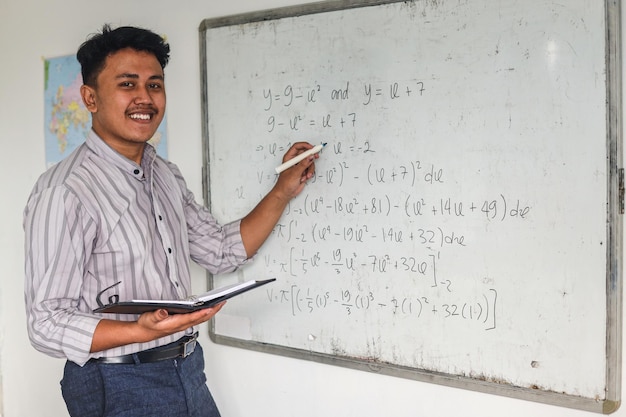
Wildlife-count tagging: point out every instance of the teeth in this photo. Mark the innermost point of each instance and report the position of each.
(140, 116)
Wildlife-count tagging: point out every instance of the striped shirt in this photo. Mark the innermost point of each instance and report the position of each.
(98, 223)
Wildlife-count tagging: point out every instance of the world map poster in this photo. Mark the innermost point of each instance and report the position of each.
(66, 120)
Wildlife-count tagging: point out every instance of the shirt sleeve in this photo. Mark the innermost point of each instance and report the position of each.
(57, 229)
(218, 248)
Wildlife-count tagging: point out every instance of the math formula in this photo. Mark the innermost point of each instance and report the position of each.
(380, 229)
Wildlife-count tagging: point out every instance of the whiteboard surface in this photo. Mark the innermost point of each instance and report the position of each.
(457, 223)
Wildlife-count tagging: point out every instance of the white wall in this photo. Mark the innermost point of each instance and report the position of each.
(244, 383)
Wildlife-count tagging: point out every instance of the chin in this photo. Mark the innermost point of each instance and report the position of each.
(143, 137)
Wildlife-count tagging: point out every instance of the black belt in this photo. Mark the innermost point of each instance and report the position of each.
(179, 349)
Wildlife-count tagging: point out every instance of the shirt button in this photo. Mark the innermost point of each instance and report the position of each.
(160, 217)
(169, 250)
(136, 172)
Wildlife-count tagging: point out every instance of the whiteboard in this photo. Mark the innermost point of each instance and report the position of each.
(464, 224)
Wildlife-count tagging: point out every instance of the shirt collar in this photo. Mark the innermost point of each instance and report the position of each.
(104, 151)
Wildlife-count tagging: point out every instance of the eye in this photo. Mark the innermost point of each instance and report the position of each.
(155, 86)
(127, 84)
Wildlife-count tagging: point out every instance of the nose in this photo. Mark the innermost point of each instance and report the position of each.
(143, 96)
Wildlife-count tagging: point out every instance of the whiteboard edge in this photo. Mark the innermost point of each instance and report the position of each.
(615, 224)
(454, 381)
(288, 11)
(204, 117)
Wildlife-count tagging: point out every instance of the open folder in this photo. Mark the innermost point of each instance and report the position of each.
(193, 303)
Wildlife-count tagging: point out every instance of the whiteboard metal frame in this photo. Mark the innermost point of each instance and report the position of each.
(615, 208)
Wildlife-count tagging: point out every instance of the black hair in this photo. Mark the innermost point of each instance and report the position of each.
(92, 53)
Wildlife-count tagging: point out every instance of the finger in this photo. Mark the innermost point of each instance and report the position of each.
(308, 173)
(296, 149)
(207, 313)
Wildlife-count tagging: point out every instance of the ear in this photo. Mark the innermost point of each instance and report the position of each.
(88, 95)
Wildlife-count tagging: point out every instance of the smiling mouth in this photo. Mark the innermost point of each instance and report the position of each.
(140, 116)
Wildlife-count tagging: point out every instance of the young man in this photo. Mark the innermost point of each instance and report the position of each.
(114, 221)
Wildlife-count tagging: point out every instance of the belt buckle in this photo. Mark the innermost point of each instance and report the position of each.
(188, 347)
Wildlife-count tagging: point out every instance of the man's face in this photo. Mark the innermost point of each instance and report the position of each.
(128, 101)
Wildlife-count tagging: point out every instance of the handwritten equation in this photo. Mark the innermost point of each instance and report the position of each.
(395, 218)
(297, 262)
(479, 310)
(303, 98)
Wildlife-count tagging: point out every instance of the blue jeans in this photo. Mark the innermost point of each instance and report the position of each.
(168, 388)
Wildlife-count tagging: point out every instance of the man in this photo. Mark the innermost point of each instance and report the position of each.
(114, 221)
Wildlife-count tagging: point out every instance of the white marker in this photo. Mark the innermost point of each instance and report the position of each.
(299, 158)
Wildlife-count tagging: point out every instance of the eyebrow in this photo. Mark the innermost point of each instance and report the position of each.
(136, 76)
